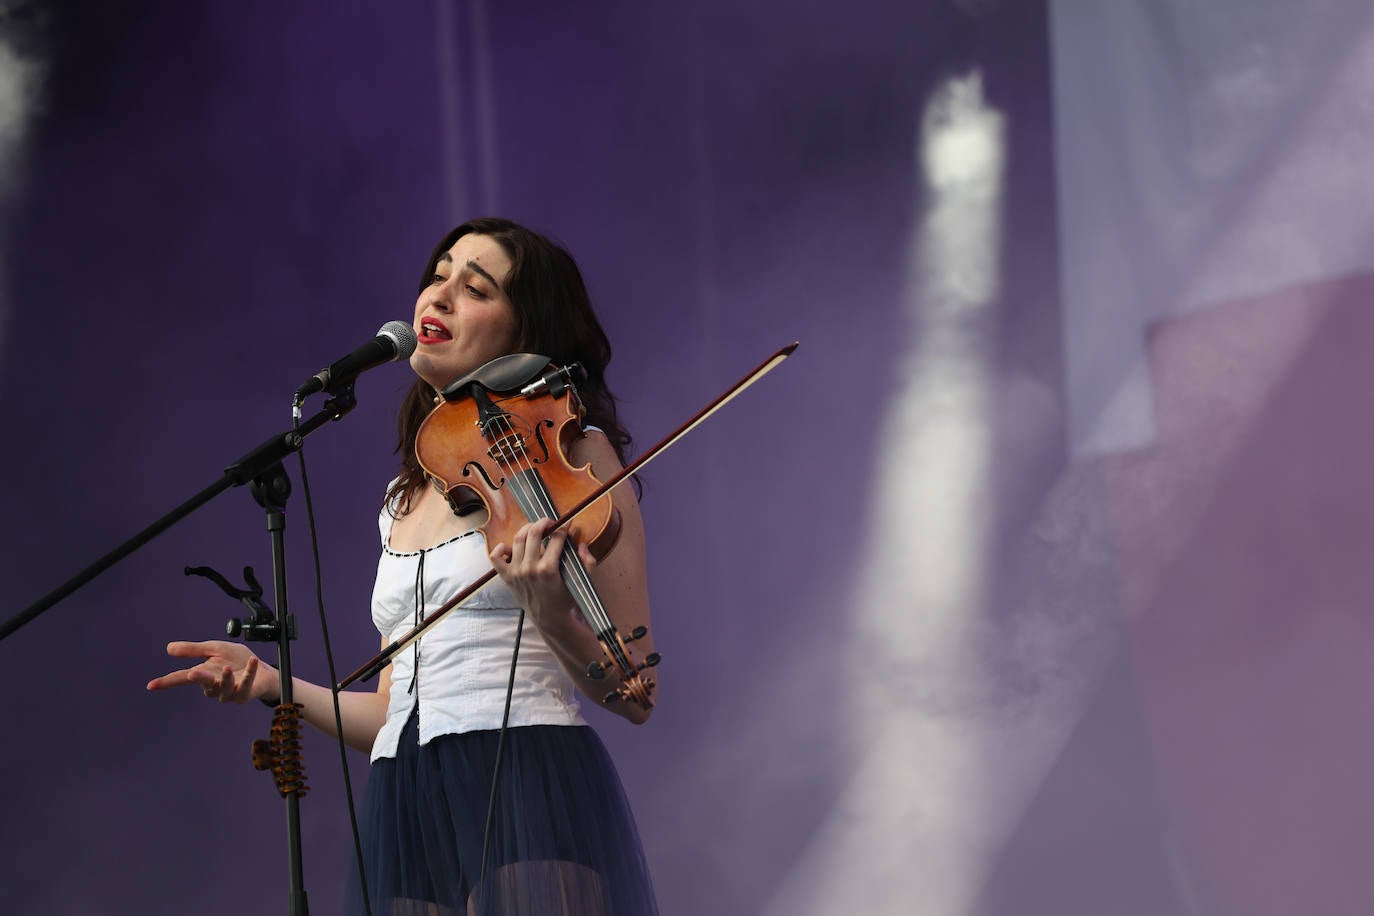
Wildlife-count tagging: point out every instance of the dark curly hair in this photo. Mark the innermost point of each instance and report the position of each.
(553, 317)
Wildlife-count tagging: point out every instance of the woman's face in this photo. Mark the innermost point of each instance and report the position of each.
(463, 319)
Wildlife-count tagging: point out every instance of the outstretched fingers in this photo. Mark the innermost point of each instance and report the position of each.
(226, 672)
(171, 679)
(206, 649)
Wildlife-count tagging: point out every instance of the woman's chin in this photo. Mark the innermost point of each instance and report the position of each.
(433, 375)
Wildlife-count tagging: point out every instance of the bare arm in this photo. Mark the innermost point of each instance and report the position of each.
(530, 569)
(232, 673)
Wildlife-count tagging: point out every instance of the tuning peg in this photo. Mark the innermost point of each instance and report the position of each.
(596, 671)
(637, 633)
(651, 661)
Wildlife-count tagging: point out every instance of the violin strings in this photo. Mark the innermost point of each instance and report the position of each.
(536, 503)
(534, 500)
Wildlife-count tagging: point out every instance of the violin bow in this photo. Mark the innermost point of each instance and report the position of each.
(374, 667)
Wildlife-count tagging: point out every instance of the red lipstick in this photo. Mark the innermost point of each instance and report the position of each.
(432, 331)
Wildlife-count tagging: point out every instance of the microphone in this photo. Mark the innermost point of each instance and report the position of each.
(394, 340)
(557, 381)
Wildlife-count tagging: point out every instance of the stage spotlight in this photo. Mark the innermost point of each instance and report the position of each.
(916, 828)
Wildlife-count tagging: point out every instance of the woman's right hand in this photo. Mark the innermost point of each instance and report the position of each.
(228, 671)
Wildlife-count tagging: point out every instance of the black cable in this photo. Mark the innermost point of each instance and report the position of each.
(333, 689)
(414, 687)
(500, 744)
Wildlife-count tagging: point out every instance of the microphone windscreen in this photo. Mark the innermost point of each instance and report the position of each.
(403, 335)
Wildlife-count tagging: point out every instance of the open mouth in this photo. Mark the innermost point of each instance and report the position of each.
(431, 331)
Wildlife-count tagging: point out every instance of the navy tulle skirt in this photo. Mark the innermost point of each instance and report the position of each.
(563, 840)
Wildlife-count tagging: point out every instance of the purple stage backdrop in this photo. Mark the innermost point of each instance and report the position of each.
(919, 656)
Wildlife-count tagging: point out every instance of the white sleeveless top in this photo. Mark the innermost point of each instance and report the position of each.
(464, 658)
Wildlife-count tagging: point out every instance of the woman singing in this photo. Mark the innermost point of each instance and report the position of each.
(563, 840)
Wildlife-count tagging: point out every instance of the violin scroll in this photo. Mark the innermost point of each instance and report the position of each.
(633, 685)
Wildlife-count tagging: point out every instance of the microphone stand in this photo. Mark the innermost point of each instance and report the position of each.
(251, 466)
(271, 489)
(262, 469)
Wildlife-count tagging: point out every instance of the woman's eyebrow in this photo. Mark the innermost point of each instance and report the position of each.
(471, 265)
(477, 269)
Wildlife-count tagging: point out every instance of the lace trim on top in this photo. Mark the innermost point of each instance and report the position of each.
(386, 545)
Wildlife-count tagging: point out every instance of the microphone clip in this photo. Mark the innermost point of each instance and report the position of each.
(261, 625)
(557, 381)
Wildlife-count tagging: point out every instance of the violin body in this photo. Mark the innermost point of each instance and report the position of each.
(469, 463)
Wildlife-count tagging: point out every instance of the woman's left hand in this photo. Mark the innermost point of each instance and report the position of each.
(530, 566)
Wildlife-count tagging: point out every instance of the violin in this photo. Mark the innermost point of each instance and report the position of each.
(519, 442)
(501, 437)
